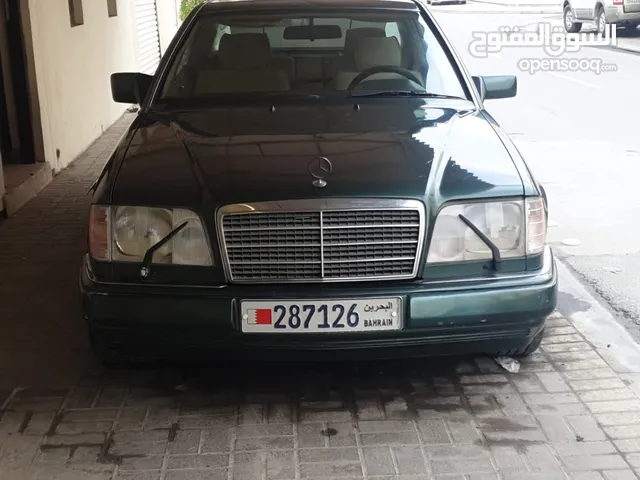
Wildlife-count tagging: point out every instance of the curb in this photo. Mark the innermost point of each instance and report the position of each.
(487, 12)
(627, 50)
(519, 5)
(506, 8)
(619, 49)
(18, 196)
(594, 321)
(547, 6)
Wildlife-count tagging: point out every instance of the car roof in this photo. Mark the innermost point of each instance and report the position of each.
(276, 5)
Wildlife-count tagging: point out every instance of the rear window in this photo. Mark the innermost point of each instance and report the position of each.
(277, 40)
(322, 53)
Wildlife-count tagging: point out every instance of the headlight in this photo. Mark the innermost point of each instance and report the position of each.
(137, 229)
(501, 222)
(190, 245)
(126, 233)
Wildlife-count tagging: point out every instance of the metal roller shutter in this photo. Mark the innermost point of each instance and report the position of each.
(148, 35)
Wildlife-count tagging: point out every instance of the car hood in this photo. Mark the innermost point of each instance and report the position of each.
(409, 148)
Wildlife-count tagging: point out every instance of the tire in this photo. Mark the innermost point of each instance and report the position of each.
(109, 358)
(601, 21)
(524, 351)
(570, 25)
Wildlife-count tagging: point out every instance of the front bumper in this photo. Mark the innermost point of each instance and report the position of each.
(455, 317)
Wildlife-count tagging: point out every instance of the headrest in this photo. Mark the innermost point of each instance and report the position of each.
(353, 36)
(372, 52)
(244, 50)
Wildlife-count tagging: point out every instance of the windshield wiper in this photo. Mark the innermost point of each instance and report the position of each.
(401, 93)
(495, 252)
(145, 270)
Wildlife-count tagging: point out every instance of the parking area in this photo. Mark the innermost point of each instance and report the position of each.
(569, 413)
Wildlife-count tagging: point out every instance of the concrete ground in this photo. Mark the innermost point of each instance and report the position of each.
(572, 412)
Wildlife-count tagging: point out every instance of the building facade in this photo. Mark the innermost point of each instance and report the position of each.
(56, 58)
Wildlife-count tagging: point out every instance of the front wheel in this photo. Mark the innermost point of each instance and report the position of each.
(108, 357)
(601, 21)
(525, 350)
(570, 25)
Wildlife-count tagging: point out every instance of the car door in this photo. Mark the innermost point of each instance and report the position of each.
(583, 9)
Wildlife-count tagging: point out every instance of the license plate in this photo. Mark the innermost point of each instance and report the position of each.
(320, 316)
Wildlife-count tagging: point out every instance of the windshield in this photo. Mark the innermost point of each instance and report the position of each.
(320, 54)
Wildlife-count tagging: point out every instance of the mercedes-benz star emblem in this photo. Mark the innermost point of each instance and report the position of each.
(320, 168)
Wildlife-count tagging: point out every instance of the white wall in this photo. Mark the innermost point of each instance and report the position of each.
(73, 65)
(169, 21)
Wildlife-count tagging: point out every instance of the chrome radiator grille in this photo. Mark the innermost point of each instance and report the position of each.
(322, 240)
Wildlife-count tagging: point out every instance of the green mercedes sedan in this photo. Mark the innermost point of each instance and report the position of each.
(314, 180)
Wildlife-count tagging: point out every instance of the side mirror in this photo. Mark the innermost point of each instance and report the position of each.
(493, 87)
(130, 87)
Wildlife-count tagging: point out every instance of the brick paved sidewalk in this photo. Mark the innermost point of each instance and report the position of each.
(40, 251)
(567, 414)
